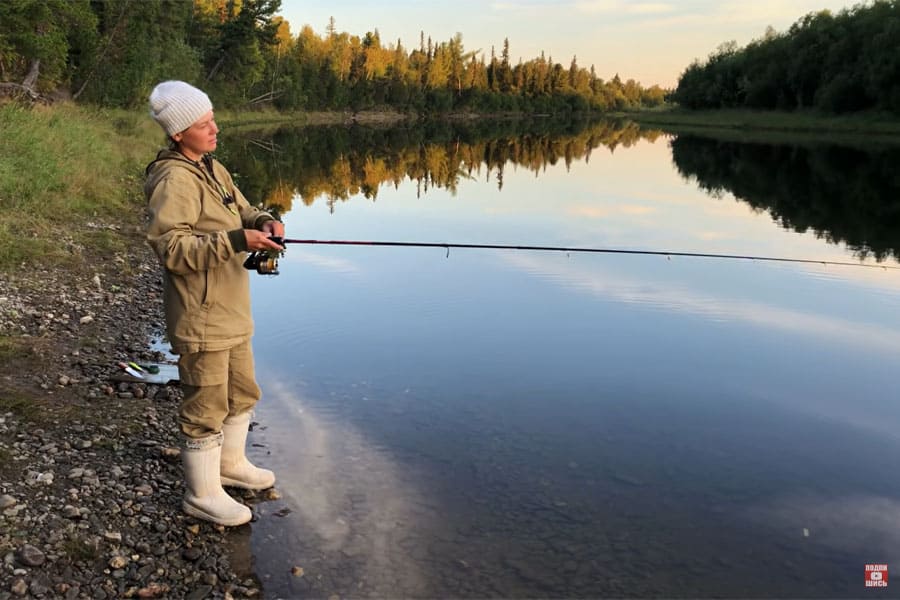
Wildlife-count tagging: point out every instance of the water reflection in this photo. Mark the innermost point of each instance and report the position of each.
(526, 425)
(844, 194)
(337, 163)
(348, 501)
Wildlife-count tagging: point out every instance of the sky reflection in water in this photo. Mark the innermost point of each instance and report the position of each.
(529, 424)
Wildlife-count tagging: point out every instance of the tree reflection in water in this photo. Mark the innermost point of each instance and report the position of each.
(338, 162)
(843, 194)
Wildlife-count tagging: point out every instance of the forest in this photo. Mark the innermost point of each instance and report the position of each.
(833, 63)
(111, 53)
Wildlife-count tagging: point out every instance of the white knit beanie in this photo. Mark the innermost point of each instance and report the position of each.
(177, 105)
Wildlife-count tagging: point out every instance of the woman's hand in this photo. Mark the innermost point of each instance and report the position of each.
(276, 228)
(259, 240)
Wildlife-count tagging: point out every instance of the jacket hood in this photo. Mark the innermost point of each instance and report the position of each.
(165, 161)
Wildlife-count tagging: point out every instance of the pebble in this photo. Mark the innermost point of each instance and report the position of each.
(113, 536)
(31, 556)
(95, 467)
(40, 585)
(19, 587)
(191, 554)
(198, 594)
(117, 562)
(154, 590)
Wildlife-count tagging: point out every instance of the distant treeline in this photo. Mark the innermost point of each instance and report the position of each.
(843, 194)
(337, 163)
(111, 52)
(835, 63)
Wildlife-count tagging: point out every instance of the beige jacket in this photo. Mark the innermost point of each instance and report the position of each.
(196, 229)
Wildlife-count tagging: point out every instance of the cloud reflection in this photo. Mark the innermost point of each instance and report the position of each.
(601, 212)
(349, 499)
(672, 298)
(863, 524)
(327, 263)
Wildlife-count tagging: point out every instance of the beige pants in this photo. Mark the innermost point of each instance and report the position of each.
(216, 385)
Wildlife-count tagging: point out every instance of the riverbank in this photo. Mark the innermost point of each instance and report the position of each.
(773, 126)
(90, 476)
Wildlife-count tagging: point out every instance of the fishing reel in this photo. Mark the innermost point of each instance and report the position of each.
(265, 262)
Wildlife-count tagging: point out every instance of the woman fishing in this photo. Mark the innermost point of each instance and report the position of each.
(201, 226)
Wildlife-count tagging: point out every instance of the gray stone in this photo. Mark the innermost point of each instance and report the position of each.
(199, 593)
(6, 501)
(31, 556)
(40, 585)
(191, 554)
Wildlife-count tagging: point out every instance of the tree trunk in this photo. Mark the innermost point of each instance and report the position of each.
(11, 89)
(33, 72)
(215, 69)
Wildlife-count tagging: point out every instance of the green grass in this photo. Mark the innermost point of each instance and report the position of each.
(10, 347)
(79, 548)
(775, 125)
(20, 405)
(62, 167)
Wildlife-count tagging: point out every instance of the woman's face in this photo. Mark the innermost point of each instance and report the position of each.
(199, 138)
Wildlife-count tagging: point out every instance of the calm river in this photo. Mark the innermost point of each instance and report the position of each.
(528, 424)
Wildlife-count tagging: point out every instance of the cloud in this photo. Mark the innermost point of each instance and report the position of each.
(589, 7)
(594, 7)
(650, 8)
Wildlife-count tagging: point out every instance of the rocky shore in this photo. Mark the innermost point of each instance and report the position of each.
(90, 476)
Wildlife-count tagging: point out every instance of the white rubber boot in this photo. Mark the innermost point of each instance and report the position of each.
(236, 470)
(204, 497)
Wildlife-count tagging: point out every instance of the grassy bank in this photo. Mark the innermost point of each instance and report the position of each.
(773, 125)
(70, 177)
(269, 117)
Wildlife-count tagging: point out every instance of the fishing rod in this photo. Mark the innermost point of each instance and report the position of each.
(265, 262)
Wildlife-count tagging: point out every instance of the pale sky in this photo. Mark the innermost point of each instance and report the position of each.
(649, 41)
